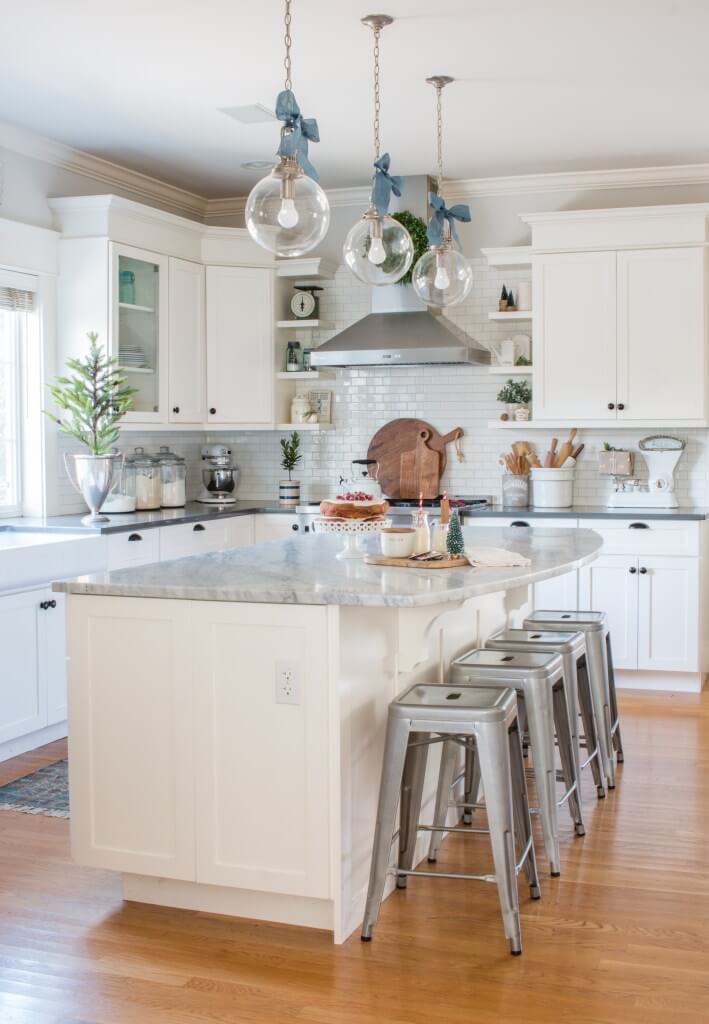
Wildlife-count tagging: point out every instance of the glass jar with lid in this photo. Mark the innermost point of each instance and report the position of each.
(173, 477)
(121, 497)
(148, 485)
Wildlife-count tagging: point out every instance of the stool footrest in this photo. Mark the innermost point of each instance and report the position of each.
(446, 874)
(454, 828)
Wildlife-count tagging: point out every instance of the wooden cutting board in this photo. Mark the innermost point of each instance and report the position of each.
(452, 562)
(420, 469)
(398, 437)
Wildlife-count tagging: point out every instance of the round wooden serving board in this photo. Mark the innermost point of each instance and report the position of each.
(452, 562)
(398, 437)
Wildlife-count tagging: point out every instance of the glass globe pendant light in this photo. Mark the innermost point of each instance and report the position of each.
(378, 250)
(287, 212)
(442, 276)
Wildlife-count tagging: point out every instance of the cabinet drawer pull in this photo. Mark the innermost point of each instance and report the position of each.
(643, 570)
(611, 405)
(519, 522)
(198, 528)
(638, 526)
(632, 570)
(134, 536)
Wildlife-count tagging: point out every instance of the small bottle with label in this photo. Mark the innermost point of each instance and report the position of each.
(423, 534)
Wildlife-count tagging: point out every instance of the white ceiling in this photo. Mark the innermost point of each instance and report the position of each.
(542, 85)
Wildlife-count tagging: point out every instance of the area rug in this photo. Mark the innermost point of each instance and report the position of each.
(43, 792)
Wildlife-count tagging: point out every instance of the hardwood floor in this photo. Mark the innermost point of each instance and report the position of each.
(621, 937)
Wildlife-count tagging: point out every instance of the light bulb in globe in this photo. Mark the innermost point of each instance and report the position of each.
(378, 250)
(442, 277)
(287, 212)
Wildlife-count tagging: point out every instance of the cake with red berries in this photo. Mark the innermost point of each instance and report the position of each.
(354, 505)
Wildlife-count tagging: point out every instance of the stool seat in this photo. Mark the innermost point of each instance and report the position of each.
(490, 705)
(585, 621)
(544, 641)
(513, 663)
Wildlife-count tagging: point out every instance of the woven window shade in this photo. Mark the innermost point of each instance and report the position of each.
(16, 300)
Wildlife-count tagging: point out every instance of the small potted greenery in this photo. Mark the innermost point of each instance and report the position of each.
(516, 395)
(289, 490)
(91, 404)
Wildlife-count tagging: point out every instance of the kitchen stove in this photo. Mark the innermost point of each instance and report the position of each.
(402, 509)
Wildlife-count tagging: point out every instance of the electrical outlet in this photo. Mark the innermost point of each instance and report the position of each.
(287, 680)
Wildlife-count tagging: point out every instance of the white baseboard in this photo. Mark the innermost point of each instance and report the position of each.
(12, 748)
(221, 899)
(667, 682)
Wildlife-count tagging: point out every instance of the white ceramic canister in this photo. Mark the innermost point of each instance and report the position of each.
(524, 295)
(552, 488)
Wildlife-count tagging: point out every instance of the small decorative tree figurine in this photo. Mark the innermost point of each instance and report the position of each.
(454, 540)
(289, 490)
(91, 404)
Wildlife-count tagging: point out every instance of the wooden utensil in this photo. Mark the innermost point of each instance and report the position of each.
(399, 436)
(565, 450)
(420, 470)
(577, 451)
(551, 454)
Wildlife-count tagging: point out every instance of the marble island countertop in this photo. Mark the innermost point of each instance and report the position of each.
(306, 571)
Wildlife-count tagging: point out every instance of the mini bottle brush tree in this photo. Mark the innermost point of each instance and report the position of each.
(454, 540)
(93, 400)
(291, 454)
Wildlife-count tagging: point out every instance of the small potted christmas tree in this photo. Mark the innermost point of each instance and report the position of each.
(454, 540)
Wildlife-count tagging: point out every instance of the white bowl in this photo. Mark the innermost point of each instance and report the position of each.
(398, 542)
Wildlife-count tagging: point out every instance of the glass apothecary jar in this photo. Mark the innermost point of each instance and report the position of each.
(121, 497)
(173, 477)
(148, 482)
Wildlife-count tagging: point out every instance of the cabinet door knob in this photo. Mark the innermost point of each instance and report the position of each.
(611, 405)
(638, 526)
(212, 411)
(44, 605)
(519, 522)
(198, 528)
(632, 570)
(306, 529)
(295, 526)
(176, 408)
(643, 570)
(621, 406)
(52, 603)
(134, 536)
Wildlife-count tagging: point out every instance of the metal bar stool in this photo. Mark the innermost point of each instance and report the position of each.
(599, 656)
(539, 682)
(466, 716)
(572, 648)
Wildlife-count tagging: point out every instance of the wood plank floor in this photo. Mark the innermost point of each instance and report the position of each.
(621, 937)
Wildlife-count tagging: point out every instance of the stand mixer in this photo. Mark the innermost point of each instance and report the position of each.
(661, 453)
(219, 475)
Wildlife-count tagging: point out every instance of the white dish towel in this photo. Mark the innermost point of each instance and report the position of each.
(490, 558)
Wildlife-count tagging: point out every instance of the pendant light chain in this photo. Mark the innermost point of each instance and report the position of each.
(439, 129)
(377, 103)
(288, 41)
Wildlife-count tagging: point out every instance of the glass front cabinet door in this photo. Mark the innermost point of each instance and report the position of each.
(139, 328)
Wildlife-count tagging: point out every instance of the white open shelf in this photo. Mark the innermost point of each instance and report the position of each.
(510, 371)
(300, 375)
(509, 256)
(515, 314)
(306, 267)
(304, 426)
(295, 324)
(135, 309)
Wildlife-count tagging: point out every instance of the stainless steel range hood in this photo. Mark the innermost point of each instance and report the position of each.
(400, 331)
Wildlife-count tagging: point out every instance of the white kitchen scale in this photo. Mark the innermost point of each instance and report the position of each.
(661, 453)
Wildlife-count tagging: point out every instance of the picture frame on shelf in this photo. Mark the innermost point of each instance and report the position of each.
(321, 402)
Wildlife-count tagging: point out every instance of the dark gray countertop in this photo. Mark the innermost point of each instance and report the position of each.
(194, 512)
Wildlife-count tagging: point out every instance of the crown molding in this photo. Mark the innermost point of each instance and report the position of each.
(37, 147)
(234, 206)
(227, 207)
(578, 181)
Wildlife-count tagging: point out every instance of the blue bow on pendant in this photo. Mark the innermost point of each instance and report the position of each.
(302, 130)
(441, 213)
(383, 184)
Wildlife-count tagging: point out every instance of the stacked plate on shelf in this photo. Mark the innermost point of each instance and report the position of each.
(131, 357)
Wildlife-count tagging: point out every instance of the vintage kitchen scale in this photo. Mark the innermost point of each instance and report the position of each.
(661, 453)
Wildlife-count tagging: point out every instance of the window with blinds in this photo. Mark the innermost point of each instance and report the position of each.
(17, 295)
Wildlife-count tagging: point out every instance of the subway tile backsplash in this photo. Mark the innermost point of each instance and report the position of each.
(446, 396)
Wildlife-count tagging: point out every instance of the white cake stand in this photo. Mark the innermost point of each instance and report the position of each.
(352, 530)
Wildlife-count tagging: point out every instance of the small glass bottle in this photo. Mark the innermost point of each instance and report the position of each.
(423, 534)
(293, 363)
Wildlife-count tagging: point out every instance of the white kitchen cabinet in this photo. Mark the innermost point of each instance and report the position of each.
(23, 700)
(661, 334)
(285, 848)
(276, 526)
(668, 614)
(52, 655)
(133, 547)
(610, 584)
(240, 531)
(559, 593)
(183, 539)
(574, 336)
(240, 346)
(139, 327)
(186, 334)
(133, 805)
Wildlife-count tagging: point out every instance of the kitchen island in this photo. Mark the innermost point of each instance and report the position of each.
(227, 712)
